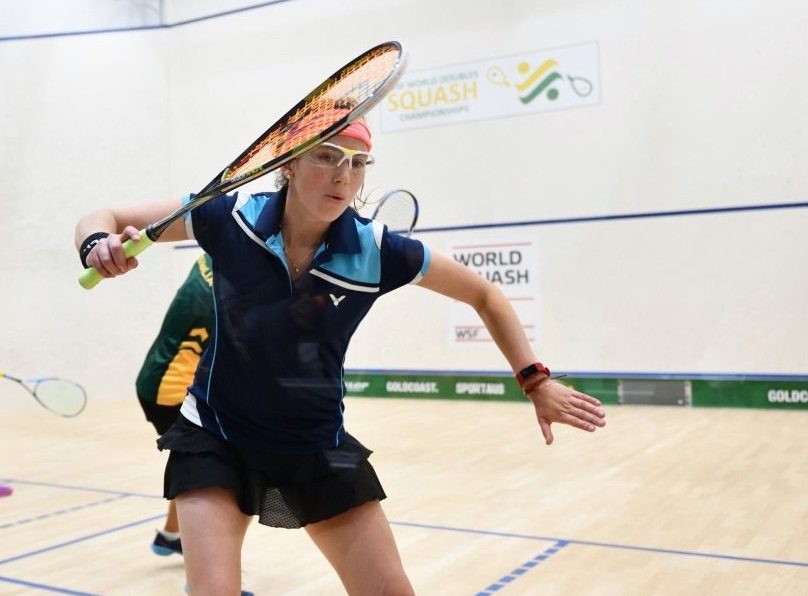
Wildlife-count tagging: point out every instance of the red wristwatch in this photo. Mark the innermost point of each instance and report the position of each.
(524, 375)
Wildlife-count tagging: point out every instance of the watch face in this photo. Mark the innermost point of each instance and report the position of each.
(533, 369)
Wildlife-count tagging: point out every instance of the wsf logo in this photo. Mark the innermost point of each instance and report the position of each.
(467, 333)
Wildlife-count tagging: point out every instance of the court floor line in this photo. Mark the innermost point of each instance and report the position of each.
(669, 551)
(613, 545)
(509, 578)
(42, 516)
(106, 491)
(558, 543)
(57, 590)
(82, 539)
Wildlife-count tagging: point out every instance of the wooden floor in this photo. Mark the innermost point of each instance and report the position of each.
(662, 501)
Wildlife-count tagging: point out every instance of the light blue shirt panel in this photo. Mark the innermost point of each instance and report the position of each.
(427, 261)
(186, 218)
(365, 267)
(252, 207)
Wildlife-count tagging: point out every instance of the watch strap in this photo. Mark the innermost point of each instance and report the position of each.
(530, 371)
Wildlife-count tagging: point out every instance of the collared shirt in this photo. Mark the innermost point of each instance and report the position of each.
(272, 375)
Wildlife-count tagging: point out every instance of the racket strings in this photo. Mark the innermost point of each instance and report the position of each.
(63, 397)
(326, 106)
(397, 212)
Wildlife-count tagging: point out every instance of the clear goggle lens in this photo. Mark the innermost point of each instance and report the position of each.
(329, 155)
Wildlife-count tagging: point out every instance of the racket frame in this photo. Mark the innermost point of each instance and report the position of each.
(389, 195)
(220, 185)
(37, 382)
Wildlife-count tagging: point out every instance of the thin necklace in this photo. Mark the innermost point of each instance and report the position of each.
(296, 268)
(308, 257)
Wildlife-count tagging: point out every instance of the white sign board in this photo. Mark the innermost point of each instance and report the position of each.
(513, 266)
(554, 79)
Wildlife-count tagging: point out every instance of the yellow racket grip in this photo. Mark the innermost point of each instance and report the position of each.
(90, 278)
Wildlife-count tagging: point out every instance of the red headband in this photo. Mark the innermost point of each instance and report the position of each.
(357, 130)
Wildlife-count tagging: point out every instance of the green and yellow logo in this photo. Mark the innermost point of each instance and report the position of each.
(543, 80)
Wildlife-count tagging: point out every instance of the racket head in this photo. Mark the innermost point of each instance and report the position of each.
(333, 105)
(60, 396)
(398, 210)
(344, 97)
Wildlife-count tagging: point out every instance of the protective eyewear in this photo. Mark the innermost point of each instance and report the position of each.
(329, 155)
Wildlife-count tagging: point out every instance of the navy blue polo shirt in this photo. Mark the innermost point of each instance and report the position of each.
(272, 375)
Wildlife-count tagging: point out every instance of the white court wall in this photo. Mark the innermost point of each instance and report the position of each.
(83, 123)
(701, 107)
(45, 17)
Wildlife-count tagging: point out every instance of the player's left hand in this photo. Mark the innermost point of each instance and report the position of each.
(555, 402)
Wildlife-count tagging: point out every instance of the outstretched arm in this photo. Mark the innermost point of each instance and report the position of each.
(553, 402)
(107, 256)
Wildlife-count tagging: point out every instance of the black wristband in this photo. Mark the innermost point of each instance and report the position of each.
(88, 245)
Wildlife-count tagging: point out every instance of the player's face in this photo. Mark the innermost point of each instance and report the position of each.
(325, 180)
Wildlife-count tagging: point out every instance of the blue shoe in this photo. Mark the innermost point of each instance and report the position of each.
(163, 546)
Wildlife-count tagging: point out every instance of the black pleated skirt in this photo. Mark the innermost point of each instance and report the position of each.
(284, 491)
